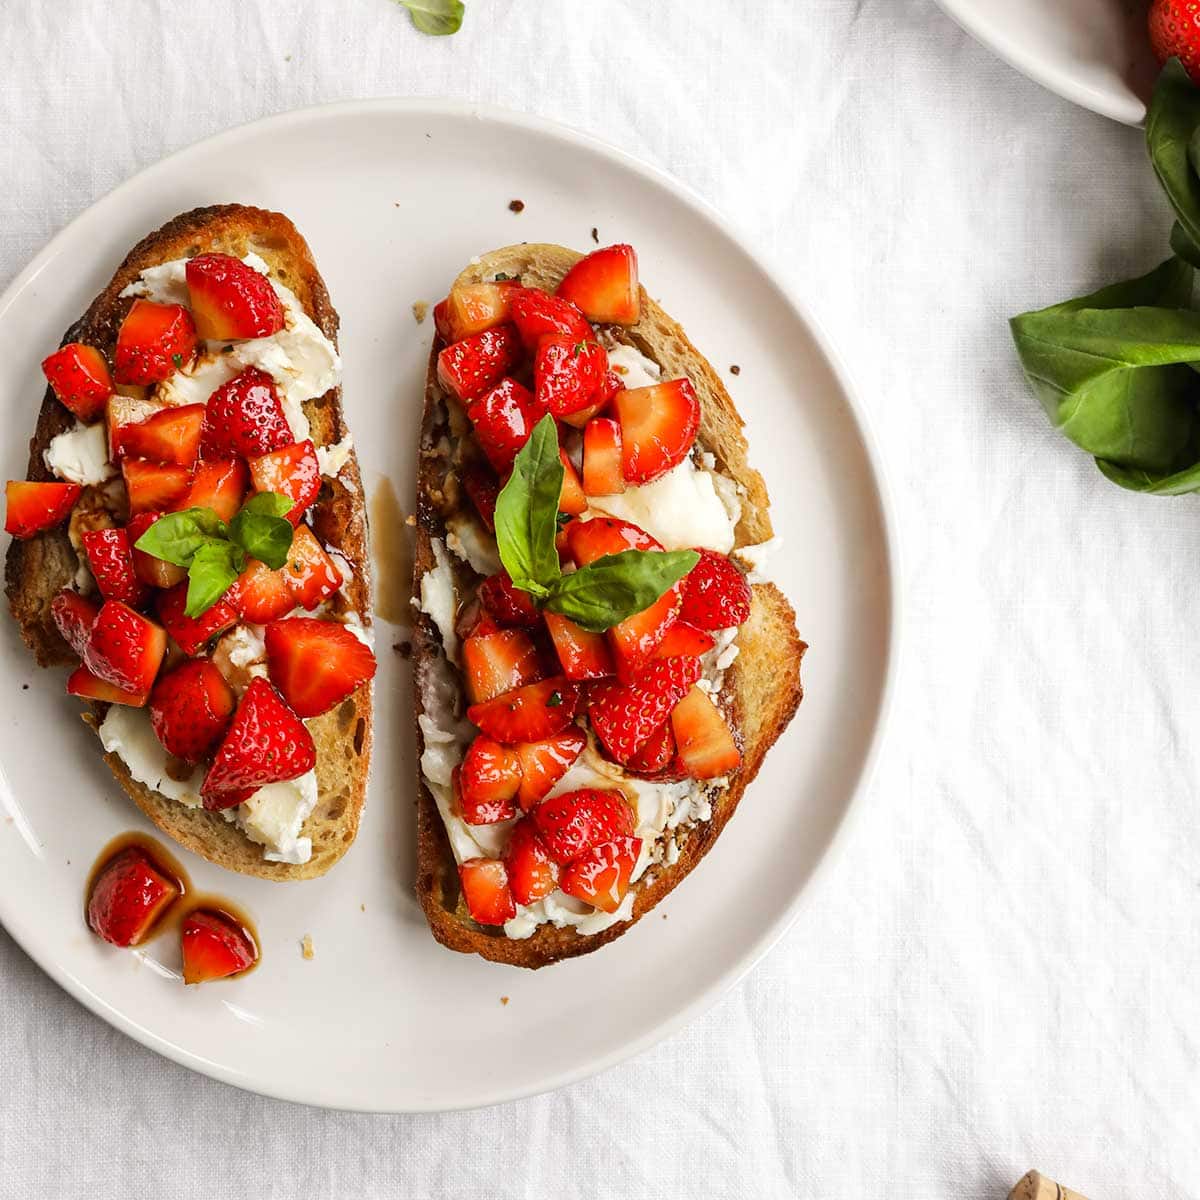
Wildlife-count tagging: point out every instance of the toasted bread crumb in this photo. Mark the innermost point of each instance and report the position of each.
(595, 235)
(503, 999)
(306, 946)
(420, 310)
(411, 520)
(735, 369)
(362, 908)
(516, 206)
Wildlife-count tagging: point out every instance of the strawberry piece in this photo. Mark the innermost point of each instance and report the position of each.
(532, 873)
(472, 366)
(259, 594)
(81, 682)
(312, 576)
(472, 308)
(484, 489)
(528, 714)
(230, 299)
(1174, 34)
(171, 435)
(79, 377)
(604, 285)
(111, 564)
(487, 782)
(504, 418)
(571, 499)
(121, 411)
(657, 752)
(214, 947)
(658, 427)
(153, 487)
(543, 764)
(508, 606)
(602, 470)
(154, 341)
(625, 716)
(536, 314)
(486, 891)
(125, 648)
(32, 507)
(497, 662)
(192, 633)
(715, 593)
(154, 571)
(74, 615)
(316, 664)
(473, 618)
(706, 744)
(266, 743)
(600, 877)
(128, 896)
(590, 540)
(583, 654)
(568, 373)
(576, 821)
(219, 484)
(292, 471)
(683, 639)
(244, 417)
(190, 708)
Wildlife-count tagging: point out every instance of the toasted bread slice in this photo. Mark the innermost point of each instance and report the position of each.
(37, 569)
(761, 690)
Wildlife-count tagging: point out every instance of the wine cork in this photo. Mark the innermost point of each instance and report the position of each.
(1035, 1186)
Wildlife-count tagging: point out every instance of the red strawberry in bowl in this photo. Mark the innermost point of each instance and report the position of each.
(292, 471)
(544, 763)
(472, 308)
(82, 683)
(214, 947)
(154, 487)
(154, 571)
(658, 427)
(530, 713)
(603, 472)
(568, 373)
(32, 507)
(154, 341)
(601, 876)
(219, 484)
(508, 606)
(74, 615)
(624, 716)
(230, 299)
(496, 661)
(537, 314)
(604, 286)
(487, 782)
(128, 897)
(472, 366)
(110, 560)
(190, 707)
(576, 821)
(192, 633)
(486, 891)
(244, 417)
(706, 744)
(171, 435)
(259, 594)
(316, 664)
(504, 418)
(532, 873)
(79, 376)
(311, 575)
(1175, 33)
(125, 648)
(715, 593)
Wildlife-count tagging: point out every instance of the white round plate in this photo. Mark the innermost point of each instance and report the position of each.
(394, 197)
(1093, 52)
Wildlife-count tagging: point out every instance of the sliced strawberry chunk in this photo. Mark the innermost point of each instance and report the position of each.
(604, 285)
(474, 365)
(504, 418)
(292, 471)
(154, 341)
(311, 574)
(32, 507)
(154, 571)
(658, 427)
(214, 947)
(715, 593)
(122, 411)
(486, 891)
(600, 876)
(171, 435)
(81, 682)
(190, 708)
(568, 373)
(153, 487)
(684, 639)
(244, 417)
(487, 782)
(590, 540)
(532, 873)
(231, 299)
(74, 615)
(657, 752)
(576, 821)
(537, 314)
(583, 654)
(484, 489)
(111, 564)
(316, 664)
(544, 763)
(472, 308)
(625, 716)
(508, 605)
(125, 648)
(528, 714)
(602, 471)
(495, 663)
(128, 896)
(259, 594)
(219, 484)
(192, 633)
(266, 743)
(571, 499)
(473, 618)
(80, 379)
(706, 744)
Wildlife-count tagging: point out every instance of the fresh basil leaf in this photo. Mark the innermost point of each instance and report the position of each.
(1183, 246)
(614, 587)
(527, 512)
(1180, 483)
(261, 531)
(1172, 121)
(214, 568)
(269, 504)
(436, 17)
(176, 537)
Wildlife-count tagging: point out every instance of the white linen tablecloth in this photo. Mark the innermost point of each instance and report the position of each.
(1000, 971)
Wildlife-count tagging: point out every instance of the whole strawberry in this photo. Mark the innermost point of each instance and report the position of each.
(1175, 33)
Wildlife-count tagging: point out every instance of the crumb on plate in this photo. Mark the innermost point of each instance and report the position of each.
(516, 206)
(420, 310)
(306, 946)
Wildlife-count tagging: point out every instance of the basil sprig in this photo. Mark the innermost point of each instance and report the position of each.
(597, 596)
(437, 17)
(214, 553)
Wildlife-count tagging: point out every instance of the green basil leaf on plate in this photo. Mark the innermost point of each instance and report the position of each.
(614, 587)
(214, 568)
(436, 17)
(261, 530)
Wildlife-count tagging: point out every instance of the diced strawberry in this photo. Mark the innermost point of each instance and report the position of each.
(590, 540)
(576, 821)
(715, 593)
(154, 571)
(544, 763)
(190, 707)
(528, 714)
(171, 435)
(568, 373)
(508, 605)
(504, 418)
(193, 633)
(125, 648)
(244, 417)
(214, 947)
(259, 594)
(602, 472)
(495, 663)
(316, 664)
(484, 489)
(219, 484)
(532, 873)
(473, 618)
(683, 639)
(111, 564)
(486, 891)
(311, 574)
(291, 471)
(81, 682)
(600, 877)
(128, 896)
(604, 285)
(441, 319)
(583, 654)
(472, 308)
(80, 379)
(658, 427)
(74, 615)
(230, 299)
(154, 341)
(656, 753)
(474, 365)
(487, 782)
(536, 314)
(706, 744)
(625, 715)
(153, 487)
(32, 507)
(571, 499)
(266, 743)
(122, 411)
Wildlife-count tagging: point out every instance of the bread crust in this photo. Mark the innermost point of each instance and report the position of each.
(37, 569)
(762, 688)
